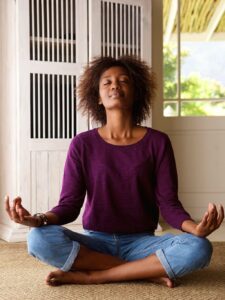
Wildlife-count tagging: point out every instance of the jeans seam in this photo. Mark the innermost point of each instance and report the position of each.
(163, 260)
(71, 258)
(117, 244)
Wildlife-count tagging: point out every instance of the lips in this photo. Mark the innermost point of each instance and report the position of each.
(116, 94)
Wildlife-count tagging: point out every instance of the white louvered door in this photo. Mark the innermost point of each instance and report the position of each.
(52, 51)
(120, 27)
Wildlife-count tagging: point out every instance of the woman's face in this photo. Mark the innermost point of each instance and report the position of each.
(116, 89)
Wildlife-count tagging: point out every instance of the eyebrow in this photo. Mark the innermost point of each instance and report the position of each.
(108, 76)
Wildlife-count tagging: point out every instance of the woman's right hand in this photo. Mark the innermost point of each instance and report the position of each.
(19, 214)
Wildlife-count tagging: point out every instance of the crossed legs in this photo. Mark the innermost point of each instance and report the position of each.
(91, 267)
(79, 260)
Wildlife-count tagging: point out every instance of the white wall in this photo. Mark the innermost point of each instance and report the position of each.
(7, 103)
(201, 168)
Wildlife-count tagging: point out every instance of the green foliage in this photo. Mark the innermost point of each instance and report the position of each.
(193, 109)
(169, 65)
(195, 87)
(192, 87)
(170, 71)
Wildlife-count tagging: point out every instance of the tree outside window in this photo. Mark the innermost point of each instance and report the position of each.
(194, 76)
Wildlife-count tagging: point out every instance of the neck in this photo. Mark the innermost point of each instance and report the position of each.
(119, 126)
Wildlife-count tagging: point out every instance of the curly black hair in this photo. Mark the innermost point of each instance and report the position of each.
(141, 75)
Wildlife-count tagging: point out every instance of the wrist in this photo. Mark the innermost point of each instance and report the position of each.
(189, 226)
(42, 219)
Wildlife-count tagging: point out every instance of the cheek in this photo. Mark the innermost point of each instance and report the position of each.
(102, 93)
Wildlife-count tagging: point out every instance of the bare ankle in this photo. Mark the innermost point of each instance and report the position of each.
(95, 277)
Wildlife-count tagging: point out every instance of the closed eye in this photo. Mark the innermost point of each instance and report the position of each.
(106, 82)
(124, 81)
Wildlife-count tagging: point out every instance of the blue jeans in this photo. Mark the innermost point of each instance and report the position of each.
(179, 254)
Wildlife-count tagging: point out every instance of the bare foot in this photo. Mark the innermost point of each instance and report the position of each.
(59, 277)
(164, 281)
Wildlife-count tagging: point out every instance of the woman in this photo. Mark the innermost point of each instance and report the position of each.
(128, 172)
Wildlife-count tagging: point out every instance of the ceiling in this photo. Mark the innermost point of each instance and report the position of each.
(200, 20)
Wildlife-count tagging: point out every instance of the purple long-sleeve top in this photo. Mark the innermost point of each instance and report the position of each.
(125, 185)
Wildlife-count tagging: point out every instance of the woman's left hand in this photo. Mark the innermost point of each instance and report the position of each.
(211, 221)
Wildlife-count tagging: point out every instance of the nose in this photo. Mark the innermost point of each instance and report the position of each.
(115, 85)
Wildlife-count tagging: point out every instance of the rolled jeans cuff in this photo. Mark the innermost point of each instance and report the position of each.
(71, 258)
(162, 258)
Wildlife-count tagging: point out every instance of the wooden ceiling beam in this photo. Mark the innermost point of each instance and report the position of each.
(215, 20)
(171, 20)
(197, 37)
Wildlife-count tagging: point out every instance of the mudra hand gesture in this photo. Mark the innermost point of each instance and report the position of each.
(211, 220)
(19, 214)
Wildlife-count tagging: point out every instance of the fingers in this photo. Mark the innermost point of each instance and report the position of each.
(215, 216)
(17, 202)
(14, 211)
(19, 211)
(204, 220)
(212, 218)
(220, 217)
(7, 206)
(19, 208)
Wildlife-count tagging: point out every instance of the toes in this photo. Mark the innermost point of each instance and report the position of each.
(51, 279)
(164, 281)
(53, 282)
(170, 283)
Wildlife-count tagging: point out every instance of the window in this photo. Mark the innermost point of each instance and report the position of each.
(193, 58)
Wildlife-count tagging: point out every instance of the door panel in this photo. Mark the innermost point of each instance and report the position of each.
(52, 51)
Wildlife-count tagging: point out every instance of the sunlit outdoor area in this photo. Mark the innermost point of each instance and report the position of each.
(194, 57)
